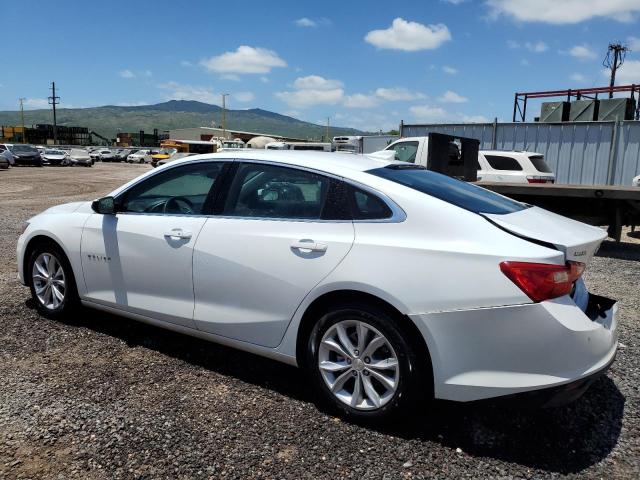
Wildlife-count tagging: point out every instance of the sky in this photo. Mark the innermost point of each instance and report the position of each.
(363, 64)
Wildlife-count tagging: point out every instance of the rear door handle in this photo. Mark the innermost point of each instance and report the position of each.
(178, 233)
(309, 245)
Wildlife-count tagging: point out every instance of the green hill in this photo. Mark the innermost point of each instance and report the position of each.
(110, 119)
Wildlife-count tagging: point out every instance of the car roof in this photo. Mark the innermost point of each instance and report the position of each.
(508, 152)
(328, 162)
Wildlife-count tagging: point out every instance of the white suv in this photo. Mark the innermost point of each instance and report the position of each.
(513, 167)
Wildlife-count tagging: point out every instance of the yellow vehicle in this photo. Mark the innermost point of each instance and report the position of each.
(169, 148)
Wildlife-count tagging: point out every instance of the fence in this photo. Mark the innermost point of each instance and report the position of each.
(585, 153)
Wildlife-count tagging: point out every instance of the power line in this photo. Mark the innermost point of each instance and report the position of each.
(24, 133)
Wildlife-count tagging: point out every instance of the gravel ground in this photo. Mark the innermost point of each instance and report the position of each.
(103, 397)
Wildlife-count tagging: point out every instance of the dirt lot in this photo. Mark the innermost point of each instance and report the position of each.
(103, 397)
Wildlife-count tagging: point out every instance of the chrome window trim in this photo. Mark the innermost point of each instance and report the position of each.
(398, 215)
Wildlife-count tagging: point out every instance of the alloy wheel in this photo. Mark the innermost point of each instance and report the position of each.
(358, 365)
(49, 281)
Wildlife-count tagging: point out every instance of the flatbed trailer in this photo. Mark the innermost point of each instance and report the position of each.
(609, 205)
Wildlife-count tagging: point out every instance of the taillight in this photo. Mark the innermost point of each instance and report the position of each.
(542, 281)
(534, 179)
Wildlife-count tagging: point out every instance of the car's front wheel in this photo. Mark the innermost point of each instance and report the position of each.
(52, 283)
(363, 365)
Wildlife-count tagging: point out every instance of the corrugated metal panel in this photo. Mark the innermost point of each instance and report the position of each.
(627, 164)
(578, 153)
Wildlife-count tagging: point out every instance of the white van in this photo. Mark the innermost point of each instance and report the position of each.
(315, 146)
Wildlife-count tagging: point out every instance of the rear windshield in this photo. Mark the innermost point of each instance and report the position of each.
(462, 194)
(499, 162)
(540, 164)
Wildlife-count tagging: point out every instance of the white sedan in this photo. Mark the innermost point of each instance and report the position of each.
(387, 282)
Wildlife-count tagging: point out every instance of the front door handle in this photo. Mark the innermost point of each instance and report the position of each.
(309, 245)
(178, 233)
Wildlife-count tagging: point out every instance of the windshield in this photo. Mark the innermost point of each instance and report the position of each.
(167, 151)
(23, 149)
(54, 152)
(462, 194)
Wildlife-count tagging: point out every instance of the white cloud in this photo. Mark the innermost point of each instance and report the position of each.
(560, 12)
(180, 91)
(452, 97)
(305, 22)
(397, 94)
(244, 60)
(131, 104)
(454, 2)
(316, 82)
(432, 114)
(537, 47)
(35, 103)
(360, 100)
(628, 73)
(582, 52)
(147, 73)
(578, 78)
(313, 90)
(264, 79)
(449, 70)
(126, 74)
(428, 113)
(633, 43)
(409, 36)
(244, 96)
(186, 63)
(230, 76)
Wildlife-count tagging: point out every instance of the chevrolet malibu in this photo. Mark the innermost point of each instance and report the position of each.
(388, 283)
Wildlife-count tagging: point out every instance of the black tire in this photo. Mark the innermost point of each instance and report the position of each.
(414, 383)
(71, 301)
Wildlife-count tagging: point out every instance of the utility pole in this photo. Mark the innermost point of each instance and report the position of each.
(24, 132)
(327, 140)
(618, 51)
(53, 101)
(224, 116)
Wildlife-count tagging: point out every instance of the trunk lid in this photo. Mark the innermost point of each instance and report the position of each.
(577, 240)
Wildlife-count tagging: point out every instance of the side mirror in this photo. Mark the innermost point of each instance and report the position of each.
(104, 206)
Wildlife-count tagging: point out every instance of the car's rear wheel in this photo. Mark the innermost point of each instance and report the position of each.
(363, 365)
(52, 283)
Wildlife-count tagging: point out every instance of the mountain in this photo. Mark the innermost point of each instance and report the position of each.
(110, 119)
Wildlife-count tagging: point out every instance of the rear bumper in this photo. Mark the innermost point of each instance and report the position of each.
(495, 352)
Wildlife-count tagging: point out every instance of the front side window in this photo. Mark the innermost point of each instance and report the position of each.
(182, 190)
(500, 162)
(405, 151)
(267, 191)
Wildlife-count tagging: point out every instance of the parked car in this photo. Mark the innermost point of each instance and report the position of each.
(105, 155)
(54, 157)
(636, 181)
(385, 281)
(24, 154)
(94, 154)
(78, 156)
(6, 153)
(121, 155)
(493, 165)
(141, 156)
(4, 161)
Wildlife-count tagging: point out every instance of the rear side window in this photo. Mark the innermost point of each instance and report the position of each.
(499, 162)
(267, 191)
(367, 206)
(462, 194)
(539, 164)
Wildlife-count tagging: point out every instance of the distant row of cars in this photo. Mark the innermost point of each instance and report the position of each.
(130, 155)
